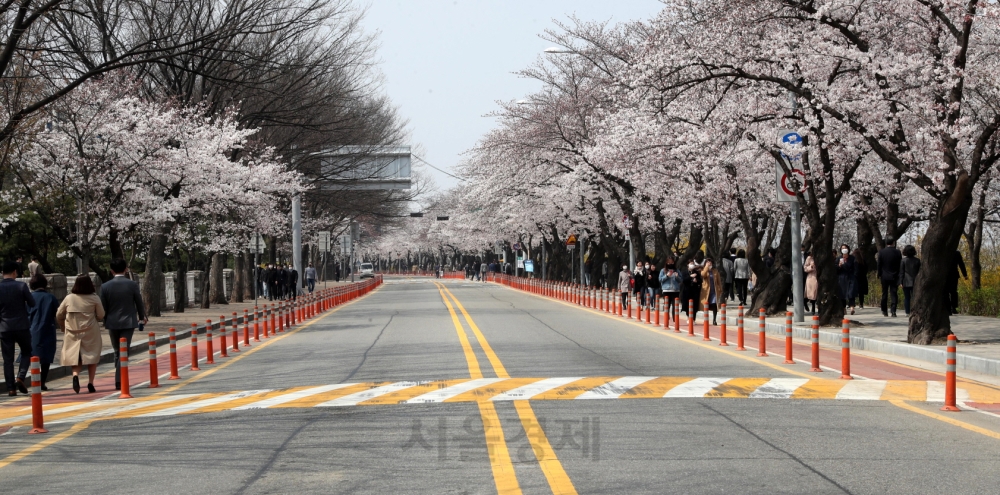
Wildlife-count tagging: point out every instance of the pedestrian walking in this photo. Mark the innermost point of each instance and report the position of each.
(639, 285)
(711, 290)
(281, 282)
(652, 285)
(483, 268)
(670, 285)
(951, 284)
(35, 267)
(860, 277)
(908, 269)
(691, 285)
(625, 285)
(43, 325)
(15, 326)
(728, 274)
(336, 273)
(292, 287)
(124, 309)
(887, 263)
(77, 316)
(845, 277)
(812, 282)
(741, 275)
(311, 277)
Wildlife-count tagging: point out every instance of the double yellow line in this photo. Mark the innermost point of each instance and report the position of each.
(496, 444)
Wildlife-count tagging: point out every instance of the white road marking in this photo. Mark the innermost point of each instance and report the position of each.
(446, 393)
(696, 388)
(532, 389)
(862, 390)
(615, 389)
(127, 406)
(202, 403)
(289, 397)
(778, 388)
(355, 398)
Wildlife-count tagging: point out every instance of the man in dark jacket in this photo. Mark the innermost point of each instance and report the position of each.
(887, 267)
(292, 287)
(951, 284)
(281, 280)
(15, 326)
(124, 310)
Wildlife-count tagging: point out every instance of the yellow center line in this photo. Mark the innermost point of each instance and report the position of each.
(559, 481)
(496, 444)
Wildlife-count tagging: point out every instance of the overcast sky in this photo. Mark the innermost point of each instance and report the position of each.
(448, 62)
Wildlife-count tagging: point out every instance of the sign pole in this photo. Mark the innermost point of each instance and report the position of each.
(798, 289)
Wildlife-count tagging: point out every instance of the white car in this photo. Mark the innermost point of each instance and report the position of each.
(367, 270)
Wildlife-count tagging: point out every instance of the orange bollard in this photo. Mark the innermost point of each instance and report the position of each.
(271, 325)
(154, 378)
(194, 347)
(222, 335)
(690, 318)
(209, 350)
(37, 418)
(704, 325)
(950, 377)
(788, 338)
(722, 328)
(173, 356)
(628, 301)
(123, 364)
(677, 315)
(656, 312)
(647, 313)
(246, 328)
(236, 333)
(282, 317)
(739, 329)
(762, 340)
(815, 345)
(256, 324)
(845, 351)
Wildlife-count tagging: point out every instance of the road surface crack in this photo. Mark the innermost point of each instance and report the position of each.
(365, 355)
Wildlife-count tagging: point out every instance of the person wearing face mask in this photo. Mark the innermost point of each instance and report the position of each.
(639, 285)
(652, 285)
(845, 277)
(624, 285)
(670, 285)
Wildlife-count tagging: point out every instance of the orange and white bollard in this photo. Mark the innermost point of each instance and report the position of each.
(209, 345)
(691, 315)
(236, 334)
(845, 351)
(739, 329)
(173, 355)
(762, 339)
(704, 324)
(123, 364)
(950, 377)
(788, 338)
(37, 418)
(815, 345)
(154, 378)
(222, 336)
(677, 315)
(722, 327)
(256, 324)
(271, 325)
(246, 328)
(194, 347)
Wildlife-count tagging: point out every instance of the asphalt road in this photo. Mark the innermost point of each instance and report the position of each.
(406, 332)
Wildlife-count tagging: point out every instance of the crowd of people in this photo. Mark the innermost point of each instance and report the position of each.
(281, 281)
(30, 316)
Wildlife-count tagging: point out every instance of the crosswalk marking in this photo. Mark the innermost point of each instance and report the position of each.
(614, 389)
(504, 389)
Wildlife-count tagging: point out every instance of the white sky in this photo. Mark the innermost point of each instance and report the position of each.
(447, 62)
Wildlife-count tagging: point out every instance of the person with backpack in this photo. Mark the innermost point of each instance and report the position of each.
(909, 268)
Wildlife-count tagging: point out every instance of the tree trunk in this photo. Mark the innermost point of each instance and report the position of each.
(217, 287)
(930, 315)
(152, 289)
(772, 289)
(974, 237)
(249, 276)
(115, 244)
(180, 283)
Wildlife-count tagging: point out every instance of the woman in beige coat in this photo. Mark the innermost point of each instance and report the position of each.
(812, 283)
(77, 316)
(711, 290)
